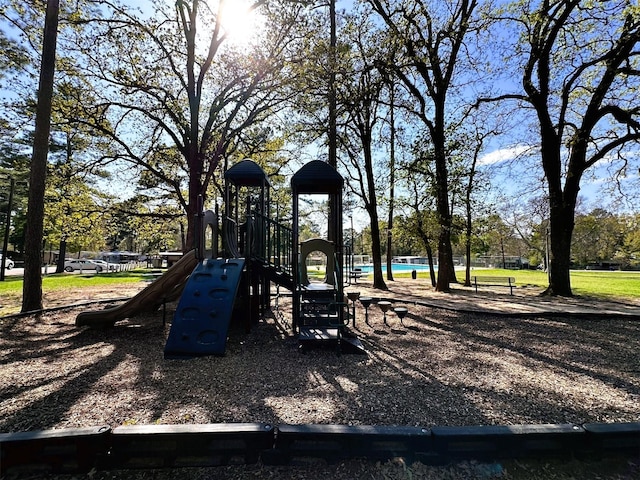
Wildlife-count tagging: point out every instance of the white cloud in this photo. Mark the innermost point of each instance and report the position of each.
(503, 154)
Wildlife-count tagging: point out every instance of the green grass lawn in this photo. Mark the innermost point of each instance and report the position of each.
(593, 283)
(11, 288)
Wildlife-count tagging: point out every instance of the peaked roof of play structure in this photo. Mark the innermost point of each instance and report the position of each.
(247, 173)
(317, 177)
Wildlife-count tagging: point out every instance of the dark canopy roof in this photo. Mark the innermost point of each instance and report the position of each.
(247, 173)
(317, 177)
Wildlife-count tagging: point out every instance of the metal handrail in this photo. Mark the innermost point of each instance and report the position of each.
(273, 244)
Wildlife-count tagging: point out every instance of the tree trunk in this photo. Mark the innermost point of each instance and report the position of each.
(32, 286)
(561, 223)
(376, 254)
(467, 242)
(371, 205)
(376, 247)
(332, 130)
(432, 272)
(195, 189)
(467, 268)
(372, 208)
(562, 205)
(61, 256)
(392, 174)
(452, 268)
(445, 262)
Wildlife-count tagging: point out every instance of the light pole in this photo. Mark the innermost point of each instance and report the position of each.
(353, 246)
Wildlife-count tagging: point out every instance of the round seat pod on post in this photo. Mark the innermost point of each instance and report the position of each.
(366, 303)
(384, 307)
(401, 312)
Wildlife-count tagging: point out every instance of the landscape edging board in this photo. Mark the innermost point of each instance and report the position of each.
(80, 450)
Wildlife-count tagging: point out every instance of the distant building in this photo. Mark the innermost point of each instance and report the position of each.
(498, 261)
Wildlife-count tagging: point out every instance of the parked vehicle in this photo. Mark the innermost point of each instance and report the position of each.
(81, 264)
(110, 267)
(8, 264)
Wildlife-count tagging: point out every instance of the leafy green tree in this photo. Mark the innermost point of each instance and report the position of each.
(360, 95)
(404, 240)
(12, 56)
(499, 237)
(471, 180)
(175, 80)
(419, 206)
(13, 59)
(144, 225)
(530, 220)
(32, 286)
(582, 87)
(629, 252)
(432, 37)
(73, 217)
(597, 237)
(463, 150)
(14, 163)
(423, 223)
(76, 162)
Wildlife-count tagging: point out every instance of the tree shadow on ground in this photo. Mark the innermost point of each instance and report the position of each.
(449, 369)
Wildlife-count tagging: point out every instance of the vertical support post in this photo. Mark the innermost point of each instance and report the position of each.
(200, 230)
(216, 232)
(7, 227)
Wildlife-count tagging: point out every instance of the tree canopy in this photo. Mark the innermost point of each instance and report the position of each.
(164, 95)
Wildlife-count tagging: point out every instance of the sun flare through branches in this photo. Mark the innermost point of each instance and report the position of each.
(240, 22)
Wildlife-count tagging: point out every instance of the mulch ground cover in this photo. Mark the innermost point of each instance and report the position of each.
(436, 368)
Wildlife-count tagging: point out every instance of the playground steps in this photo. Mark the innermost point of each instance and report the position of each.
(342, 340)
(318, 307)
(308, 334)
(321, 321)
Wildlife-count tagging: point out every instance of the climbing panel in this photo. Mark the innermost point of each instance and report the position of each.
(201, 321)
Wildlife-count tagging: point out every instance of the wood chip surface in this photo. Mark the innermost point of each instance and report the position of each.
(437, 368)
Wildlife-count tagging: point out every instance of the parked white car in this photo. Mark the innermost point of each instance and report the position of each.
(8, 264)
(110, 267)
(81, 264)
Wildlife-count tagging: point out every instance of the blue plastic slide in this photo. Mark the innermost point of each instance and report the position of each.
(201, 321)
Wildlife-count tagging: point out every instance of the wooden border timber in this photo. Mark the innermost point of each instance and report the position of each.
(72, 451)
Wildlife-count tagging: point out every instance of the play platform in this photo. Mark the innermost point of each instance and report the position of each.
(217, 286)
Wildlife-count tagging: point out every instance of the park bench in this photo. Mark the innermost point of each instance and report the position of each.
(490, 281)
(355, 274)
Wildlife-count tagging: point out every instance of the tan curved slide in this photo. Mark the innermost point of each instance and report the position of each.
(166, 288)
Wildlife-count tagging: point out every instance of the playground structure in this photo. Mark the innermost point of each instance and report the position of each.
(259, 251)
(217, 287)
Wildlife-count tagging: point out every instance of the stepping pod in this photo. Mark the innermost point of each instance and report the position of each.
(401, 312)
(366, 303)
(353, 296)
(384, 306)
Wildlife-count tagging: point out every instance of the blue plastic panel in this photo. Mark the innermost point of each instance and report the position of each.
(201, 321)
